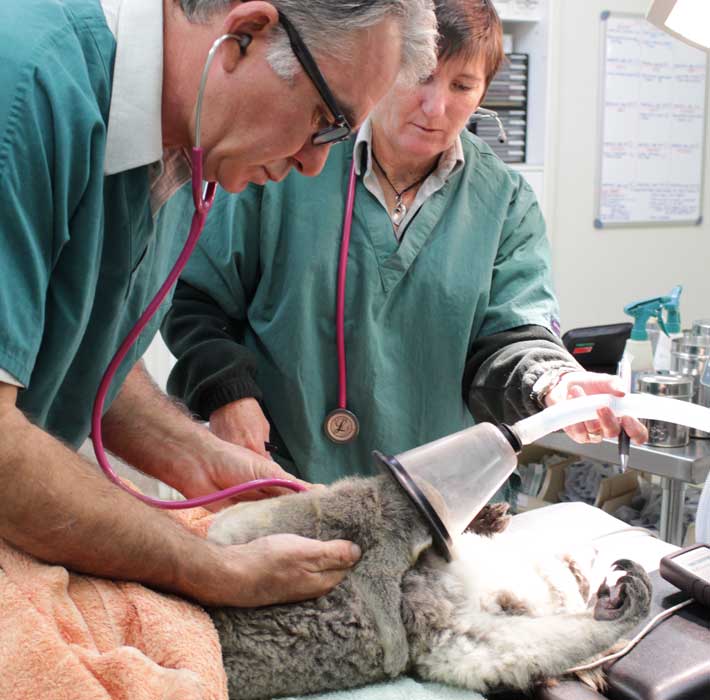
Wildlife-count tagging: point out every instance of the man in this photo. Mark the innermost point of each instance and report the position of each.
(98, 108)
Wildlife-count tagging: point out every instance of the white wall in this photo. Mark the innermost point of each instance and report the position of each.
(598, 271)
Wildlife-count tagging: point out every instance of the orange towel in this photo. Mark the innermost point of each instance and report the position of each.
(64, 636)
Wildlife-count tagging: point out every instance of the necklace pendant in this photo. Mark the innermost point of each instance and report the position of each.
(399, 212)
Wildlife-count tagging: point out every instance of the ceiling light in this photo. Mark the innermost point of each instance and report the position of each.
(688, 20)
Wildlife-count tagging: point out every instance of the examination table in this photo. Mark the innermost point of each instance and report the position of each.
(673, 663)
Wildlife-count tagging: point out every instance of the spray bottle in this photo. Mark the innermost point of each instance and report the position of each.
(662, 356)
(638, 354)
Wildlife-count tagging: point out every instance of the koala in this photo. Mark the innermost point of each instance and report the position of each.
(499, 616)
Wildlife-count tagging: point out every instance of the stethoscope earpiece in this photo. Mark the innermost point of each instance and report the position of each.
(244, 41)
(483, 113)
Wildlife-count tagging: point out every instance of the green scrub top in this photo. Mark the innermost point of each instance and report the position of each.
(79, 254)
(473, 262)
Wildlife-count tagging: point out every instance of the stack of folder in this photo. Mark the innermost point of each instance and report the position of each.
(507, 95)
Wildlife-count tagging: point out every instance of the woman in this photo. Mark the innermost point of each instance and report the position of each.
(448, 307)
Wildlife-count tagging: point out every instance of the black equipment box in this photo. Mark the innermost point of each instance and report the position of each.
(598, 348)
(672, 662)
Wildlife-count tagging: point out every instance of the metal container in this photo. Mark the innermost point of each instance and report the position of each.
(661, 433)
(703, 394)
(701, 327)
(689, 357)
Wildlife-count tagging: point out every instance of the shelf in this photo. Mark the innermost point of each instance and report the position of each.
(690, 464)
(520, 20)
(521, 11)
(503, 105)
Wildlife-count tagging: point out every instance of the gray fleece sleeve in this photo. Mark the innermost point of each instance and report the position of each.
(502, 369)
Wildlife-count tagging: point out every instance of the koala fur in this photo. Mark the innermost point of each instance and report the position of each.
(498, 616)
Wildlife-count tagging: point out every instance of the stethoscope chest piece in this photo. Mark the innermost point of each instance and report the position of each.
(341, 426)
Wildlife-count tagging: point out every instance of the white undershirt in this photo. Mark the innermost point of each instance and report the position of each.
(450, 162)
(7, 378)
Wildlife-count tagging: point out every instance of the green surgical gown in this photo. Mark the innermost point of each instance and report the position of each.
(79, 253)
(473, 262)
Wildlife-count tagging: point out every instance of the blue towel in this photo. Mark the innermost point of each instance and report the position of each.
(399, 689)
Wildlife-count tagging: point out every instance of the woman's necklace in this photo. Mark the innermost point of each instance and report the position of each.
(400, 210)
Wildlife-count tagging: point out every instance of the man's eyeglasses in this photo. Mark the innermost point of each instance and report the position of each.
(339, 130)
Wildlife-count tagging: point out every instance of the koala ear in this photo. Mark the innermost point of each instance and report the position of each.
(420, 545)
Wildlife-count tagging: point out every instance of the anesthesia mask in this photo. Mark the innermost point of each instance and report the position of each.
(451, 479)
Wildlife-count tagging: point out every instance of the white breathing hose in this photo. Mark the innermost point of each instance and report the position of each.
(585, 408)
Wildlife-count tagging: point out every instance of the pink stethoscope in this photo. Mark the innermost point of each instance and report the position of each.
(341, 425)
(202, 203)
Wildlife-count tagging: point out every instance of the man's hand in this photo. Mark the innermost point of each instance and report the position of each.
(62, 510)
(151, 433)
(223, 465)
(242, 423)
(276, 569)
(575, 384)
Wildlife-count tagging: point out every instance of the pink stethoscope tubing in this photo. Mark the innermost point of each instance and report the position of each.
(203, 204)
(340, 295)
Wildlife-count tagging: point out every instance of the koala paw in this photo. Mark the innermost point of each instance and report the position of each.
(490, 520)
(628, 599)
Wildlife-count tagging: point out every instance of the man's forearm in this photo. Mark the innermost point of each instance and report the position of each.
(152, 433)
(60, 509)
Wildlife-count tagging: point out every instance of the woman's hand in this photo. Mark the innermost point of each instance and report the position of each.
(242, 423)
(575, 384)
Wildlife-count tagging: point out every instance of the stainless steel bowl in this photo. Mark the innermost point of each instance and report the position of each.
(701, 327)
(662, 433)
(689, 357)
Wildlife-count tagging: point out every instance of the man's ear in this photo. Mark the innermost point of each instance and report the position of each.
(250, 21)
(256, 18)
(234, 50)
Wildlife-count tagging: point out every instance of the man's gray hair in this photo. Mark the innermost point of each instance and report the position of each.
(327, 28)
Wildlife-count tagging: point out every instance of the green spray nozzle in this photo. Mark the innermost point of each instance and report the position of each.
(672, 310)
(641, 311)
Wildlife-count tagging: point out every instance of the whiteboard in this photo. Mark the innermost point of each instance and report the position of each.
(652, 123)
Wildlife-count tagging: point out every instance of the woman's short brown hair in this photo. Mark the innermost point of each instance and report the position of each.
(469, 29)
